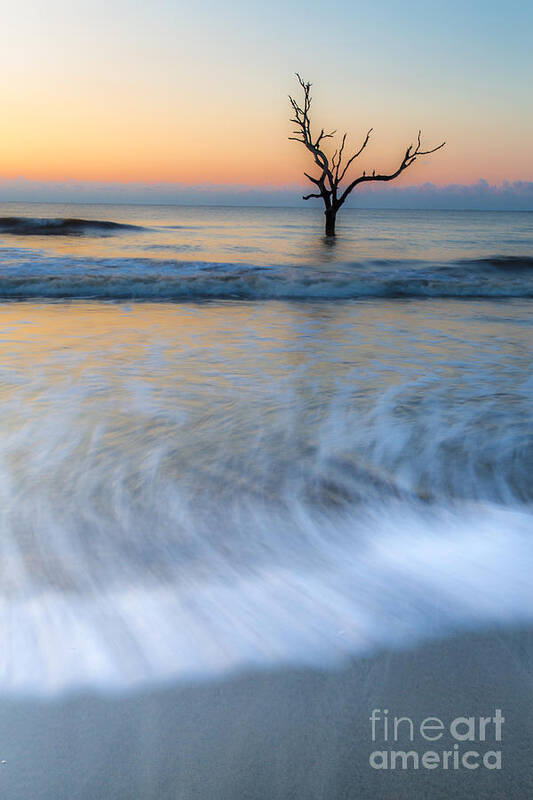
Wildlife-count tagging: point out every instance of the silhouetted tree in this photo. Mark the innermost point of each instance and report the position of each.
(334, 170)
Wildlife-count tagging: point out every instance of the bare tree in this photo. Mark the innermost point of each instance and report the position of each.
(333, 170)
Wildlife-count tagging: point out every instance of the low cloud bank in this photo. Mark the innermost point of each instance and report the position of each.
(507, 196)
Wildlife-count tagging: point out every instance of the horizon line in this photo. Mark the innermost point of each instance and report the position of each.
(309, 208)
(479, 196)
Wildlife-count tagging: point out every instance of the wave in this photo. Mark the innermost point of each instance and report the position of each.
(119, 569)
(519, 262)
(28, 274)
(394, 585)
(61, 226)
(117, 281)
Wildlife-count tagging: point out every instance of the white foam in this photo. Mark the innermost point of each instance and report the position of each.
(391, 579)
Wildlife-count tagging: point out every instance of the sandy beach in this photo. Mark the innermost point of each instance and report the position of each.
(266, 401)
(285, 734)
(253, 513)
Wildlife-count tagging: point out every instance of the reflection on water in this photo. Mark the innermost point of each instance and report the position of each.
(172, 253)
(272, 236)
(190, 488)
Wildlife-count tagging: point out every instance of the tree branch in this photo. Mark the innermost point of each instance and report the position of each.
(409, 158)
(334, 171)
(305, 137)
(355, 155)
(317, 181)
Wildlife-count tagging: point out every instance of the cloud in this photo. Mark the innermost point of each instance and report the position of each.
(506, 196)
(517, 195)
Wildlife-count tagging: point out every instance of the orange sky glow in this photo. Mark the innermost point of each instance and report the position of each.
(166, 98)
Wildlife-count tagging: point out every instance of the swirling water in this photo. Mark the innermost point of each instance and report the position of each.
(205, 485)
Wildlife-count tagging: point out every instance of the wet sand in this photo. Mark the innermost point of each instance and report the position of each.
(286, 734)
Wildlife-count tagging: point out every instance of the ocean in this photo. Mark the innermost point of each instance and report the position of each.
(175, 253)
(230, 444)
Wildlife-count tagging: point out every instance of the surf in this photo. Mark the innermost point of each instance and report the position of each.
(34, 275)
(48, 226)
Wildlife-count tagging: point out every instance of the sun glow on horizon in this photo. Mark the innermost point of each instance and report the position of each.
(163, 94)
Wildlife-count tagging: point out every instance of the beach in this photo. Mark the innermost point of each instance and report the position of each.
(255, 487)
(277, 734)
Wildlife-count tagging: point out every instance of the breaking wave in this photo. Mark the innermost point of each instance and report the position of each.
(44, 226)
(503, 262)
(153, 279)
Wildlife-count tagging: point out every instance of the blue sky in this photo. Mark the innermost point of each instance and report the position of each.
(141, 95)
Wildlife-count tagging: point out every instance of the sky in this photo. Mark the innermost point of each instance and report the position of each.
(128, 96)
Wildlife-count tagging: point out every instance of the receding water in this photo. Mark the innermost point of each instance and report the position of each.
(193, 487)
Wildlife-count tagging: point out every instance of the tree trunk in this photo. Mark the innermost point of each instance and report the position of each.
(331, 214)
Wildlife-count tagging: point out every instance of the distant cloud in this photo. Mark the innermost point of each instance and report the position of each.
(506, 196)
(517, 195)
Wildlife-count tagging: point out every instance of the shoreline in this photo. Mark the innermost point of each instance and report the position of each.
(289, 733)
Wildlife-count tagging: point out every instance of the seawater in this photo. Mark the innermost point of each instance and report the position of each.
(228, 443)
